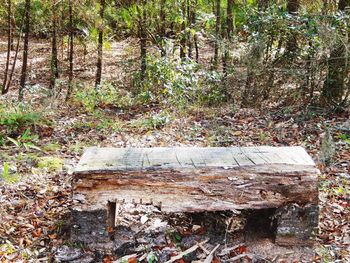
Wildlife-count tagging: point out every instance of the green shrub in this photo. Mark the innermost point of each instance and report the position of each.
(16, 118)
(50, 163)
(174, 79)
(178, 82)
(107, 96)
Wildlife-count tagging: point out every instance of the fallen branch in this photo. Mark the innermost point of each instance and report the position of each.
(186, 252)
(206, 251)
(230, 249)
(210, 257)
(239, 257)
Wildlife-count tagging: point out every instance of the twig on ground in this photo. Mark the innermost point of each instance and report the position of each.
(210, 257)
(228, 250)
(186, 252)
(206, 251)
(239, 257)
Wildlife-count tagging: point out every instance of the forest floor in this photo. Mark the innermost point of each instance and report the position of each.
(35, 195)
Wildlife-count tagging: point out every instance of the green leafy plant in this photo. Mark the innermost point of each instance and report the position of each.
(25, 140)
(7, 176)
(344, 138)
(107, 96)
(50, 163)
(16, 118)
(151, 258)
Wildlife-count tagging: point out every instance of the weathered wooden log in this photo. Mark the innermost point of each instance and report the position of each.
(196, 180)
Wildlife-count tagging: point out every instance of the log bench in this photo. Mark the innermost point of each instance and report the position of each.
(284, 179)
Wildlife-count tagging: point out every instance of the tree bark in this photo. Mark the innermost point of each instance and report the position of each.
(25, 50)
(292, 9)
(54, 60)
(263, 4)
(71, 50)
(4, 89)
(343, 4)
(162, 16)
(183, 40)
(143, 39)
(217, 32)
(230, 21)
(195, 38)
(100, 45)
(189, 19)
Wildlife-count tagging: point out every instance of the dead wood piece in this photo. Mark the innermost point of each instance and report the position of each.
(226, 251)
(206, 251)
(238, 257)
(210, 257)
(186, 252)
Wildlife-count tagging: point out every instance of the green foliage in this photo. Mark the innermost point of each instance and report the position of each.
(152, 258)
(170, 78)
(7, 176)
(107, 96)
(14, 118)
(26, 140)
(50, 163)
(152, 122)
(178, 82)
(344, 138)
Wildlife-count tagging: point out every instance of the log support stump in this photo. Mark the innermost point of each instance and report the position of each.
(283, 179)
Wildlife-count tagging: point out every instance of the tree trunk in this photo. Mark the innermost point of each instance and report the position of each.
(71, 49)
(217, 32)
(230, 21)
(4, 89)
(183, 40)
(13, 29)
(292, 9)
(54, 60)
(227, 35)
(189, 19)
(100, 45)
(162, 16)
(334, 85)
(343, 4)
(143, 39)
(263, 4)
(25, 50)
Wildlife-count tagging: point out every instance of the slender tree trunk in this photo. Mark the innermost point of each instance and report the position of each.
(71, 50)
(292, 9)
(9, 31)
(217, 32)
(263, 4)
(100, 45)
(13, 29)
(334, 85)
(183, 40)
(8, 83)
(189, 19)
(343, 4)
(142, 23)
(54, 60)
(230, 22)
(162, 16)
(25, 50)
(227, 36)
(195, 37)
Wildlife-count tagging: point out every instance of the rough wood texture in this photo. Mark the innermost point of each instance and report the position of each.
(194, 179)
